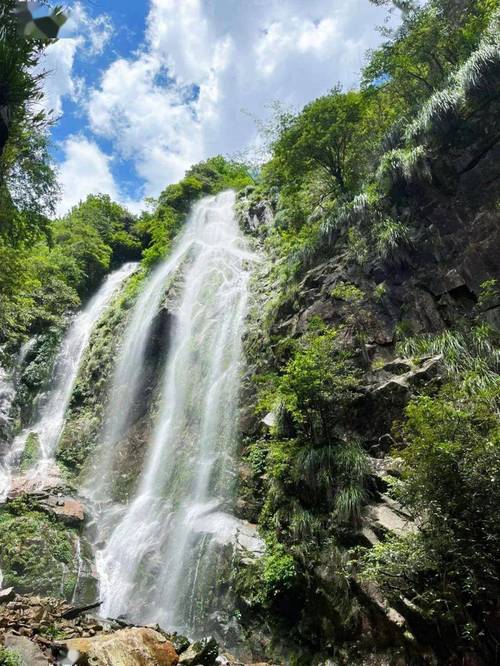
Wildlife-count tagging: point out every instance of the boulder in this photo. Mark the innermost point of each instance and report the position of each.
(7, 594)
(29, 652)
(39, 486)
(68, 510)
(128, 647)
(201, 653)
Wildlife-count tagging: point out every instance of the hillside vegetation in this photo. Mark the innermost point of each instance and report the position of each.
(370, 426)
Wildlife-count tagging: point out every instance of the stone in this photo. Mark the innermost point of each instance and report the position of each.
(269, 420)
(29, 652)
(32, 485)
(68, 510)
(7, 594)
(248, 540)
(127, 647)
(201, 653)
(398, 366)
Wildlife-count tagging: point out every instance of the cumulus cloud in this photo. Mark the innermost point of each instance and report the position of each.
(202, 73)
(180, 98)
(95, 31)
(57, 66)
(81, 35)
(84, 170)
(152, 124)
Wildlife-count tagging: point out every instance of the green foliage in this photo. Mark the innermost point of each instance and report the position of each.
(346, 291)
(433, 39)
(392, 238)
(319, 377)
(95, 235)
(40, 282)
(403, 166)
(380, 291)
(327, 135)
(278, 572)
(27, 182)
(451, 484)
(472, 357)
(9, 657)
(489, 293)
(36, 552)
(160, 226)
(314, 480)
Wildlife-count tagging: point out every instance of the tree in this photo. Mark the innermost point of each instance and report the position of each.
(328, 135)
(433, 40)
(448, 567)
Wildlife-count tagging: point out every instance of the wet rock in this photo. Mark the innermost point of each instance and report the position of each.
(66, 509)
(30, 654)
(201, 653)
(33, 485)
(6, 594)
(180, 643)
(248, 541)
(128, 647)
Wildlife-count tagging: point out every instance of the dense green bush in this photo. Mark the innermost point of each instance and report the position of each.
(448, 568)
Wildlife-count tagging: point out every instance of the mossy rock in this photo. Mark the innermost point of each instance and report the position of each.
(37, 555)
(31, 452)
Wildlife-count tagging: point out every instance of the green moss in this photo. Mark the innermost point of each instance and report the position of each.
(346, 291)
(84, 417)
(36, 553)
(31, 452)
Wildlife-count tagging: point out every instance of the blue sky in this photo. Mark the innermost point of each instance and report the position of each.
(144, 89)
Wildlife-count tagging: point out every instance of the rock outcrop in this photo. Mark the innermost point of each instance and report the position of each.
(135, 646)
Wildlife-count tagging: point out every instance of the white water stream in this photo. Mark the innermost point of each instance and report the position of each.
(156, 554)
(52, 410)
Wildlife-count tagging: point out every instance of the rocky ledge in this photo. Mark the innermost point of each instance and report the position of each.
(42, 630)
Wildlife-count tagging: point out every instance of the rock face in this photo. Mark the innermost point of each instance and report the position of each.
(29, 652)
(68, 510)
(200, 653)
(128, 647)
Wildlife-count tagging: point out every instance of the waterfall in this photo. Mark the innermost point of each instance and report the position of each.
(150, 566)
(7, 393)
(128, 373)
(51, 414)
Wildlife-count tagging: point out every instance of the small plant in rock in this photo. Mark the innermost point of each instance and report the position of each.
(10, 658)
(346, 291)
(380, 291)
(391, 239)
(489, 294)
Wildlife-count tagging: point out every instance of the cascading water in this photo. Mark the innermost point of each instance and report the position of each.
(128, 373)
(157, 556)
(51, 414)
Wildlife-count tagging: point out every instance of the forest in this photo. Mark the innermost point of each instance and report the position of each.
(367, 452)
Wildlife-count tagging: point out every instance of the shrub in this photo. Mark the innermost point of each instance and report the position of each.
(346, 291)
(448, 568)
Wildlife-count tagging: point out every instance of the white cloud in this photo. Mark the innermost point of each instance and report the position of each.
(236, 57)
(95, 31)
(282, 41)
(179, 97)
(84, 170)
(81, 35)
(57, 66)
(149, 123)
